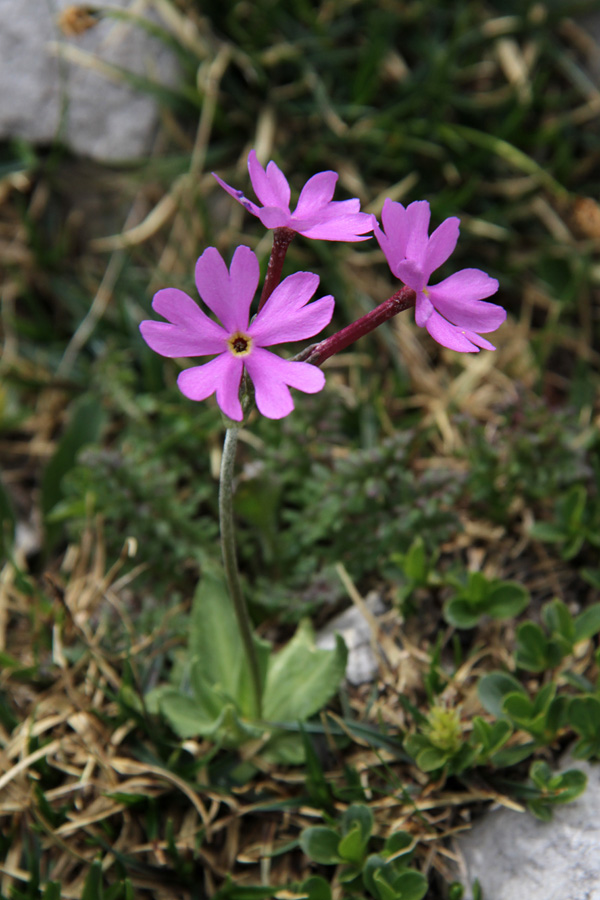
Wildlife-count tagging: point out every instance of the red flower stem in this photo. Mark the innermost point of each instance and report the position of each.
(282, 238)
(398, 302)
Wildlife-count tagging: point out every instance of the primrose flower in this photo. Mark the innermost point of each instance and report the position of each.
(452, 311)
(238, 345)
(316, 214)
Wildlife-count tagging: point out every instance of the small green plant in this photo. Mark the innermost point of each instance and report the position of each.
(553, 788)
(441, 742)
(210, 691)
(480, 596)
(540, 648)
(584, 718)
(385, 875)
(576, 520)
(413, 570)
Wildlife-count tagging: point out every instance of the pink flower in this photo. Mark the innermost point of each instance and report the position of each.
(452, 311)
(315, 216)
(238, 345)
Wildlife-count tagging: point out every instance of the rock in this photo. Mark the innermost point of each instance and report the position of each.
(517, 857)
(44, 97)
(355, 629)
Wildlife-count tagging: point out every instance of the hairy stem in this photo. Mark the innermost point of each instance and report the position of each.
(398, 302)
(282, 238)
(230, 562)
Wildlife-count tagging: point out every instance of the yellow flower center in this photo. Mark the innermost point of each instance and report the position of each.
(240, 344)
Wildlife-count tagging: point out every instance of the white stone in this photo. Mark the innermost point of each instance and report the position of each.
(362, 663)
(516, 857)
(43, 96)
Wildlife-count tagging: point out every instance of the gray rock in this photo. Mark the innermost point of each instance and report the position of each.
(517, 857)
(362, 663)
(43, 96)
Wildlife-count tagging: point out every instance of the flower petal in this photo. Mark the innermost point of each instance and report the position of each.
(395, 223)
(410, 272)
(441, 244)
(238, 195)
(459, 299)
(451, 336)
(417, 223)
(286, 316)
(189, 331)
(271, 376)
(347, 227)
(394, 237)
(291, 294)
(316, 193)
(173, 341)
(244, 274)
(222, 374)
(274, 217)
(303, 323)
(271, 187)
(423, 310)
(229, 299)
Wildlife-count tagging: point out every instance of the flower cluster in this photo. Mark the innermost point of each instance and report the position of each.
(451, 311)
(454, 311)
(238, 344)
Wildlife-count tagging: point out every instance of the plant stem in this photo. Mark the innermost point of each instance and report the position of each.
(282, 238)
(398, 302)
(230, 561)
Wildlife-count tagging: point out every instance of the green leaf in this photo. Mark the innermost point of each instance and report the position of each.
(399, 845)
(543, 698)
(512, 756)
(321, 845)
(383, 889)
(518, 707)
(559, 621)
(460, 613)
(586, 749)
(573, 546)
(540, 773)
(52, 891)
(374, 865)
(494, 687)
(556, 715)
(410, 885)
(587, 623)
(584, 716)
(352, 846)
(592, 576)
(534, 651)
(540, 809)
(546, 531)
(571, 507)
(507, 599)
(189, 719)
(386, 882)
(93, 888)
(184, 714)
(490, 737)
(432, 758)
(415, 561)
(361, 815)
(216, 645)
(316, 888)
(301, 678)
